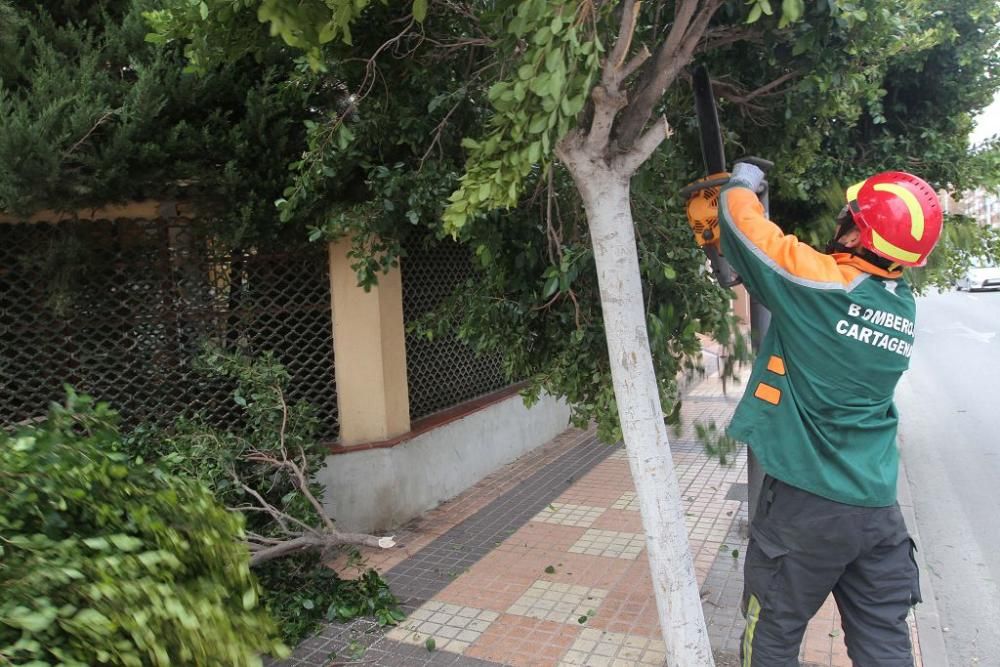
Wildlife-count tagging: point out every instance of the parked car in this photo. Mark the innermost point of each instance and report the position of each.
(980, 276)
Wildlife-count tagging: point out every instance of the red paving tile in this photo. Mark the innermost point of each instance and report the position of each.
(524, 642)
(626, 521)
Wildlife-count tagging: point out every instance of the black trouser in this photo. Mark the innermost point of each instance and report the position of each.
(802, 548)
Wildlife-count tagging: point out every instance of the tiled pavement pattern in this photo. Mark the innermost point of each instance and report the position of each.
(543, 564)
(553, 601)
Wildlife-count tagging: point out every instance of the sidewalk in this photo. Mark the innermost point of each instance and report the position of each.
(543, 564)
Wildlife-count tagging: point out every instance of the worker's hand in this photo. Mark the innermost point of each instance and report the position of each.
(747, 175)
(703, 209)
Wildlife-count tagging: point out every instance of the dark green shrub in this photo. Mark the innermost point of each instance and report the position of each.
(104, 561)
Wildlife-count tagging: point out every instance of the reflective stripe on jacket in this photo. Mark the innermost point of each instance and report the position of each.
(818, 409)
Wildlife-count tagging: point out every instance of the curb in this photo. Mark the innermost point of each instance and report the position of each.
(932, 648)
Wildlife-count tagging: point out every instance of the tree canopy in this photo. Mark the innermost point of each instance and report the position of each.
(399, 121)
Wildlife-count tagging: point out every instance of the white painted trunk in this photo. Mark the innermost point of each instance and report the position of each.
(678, 599)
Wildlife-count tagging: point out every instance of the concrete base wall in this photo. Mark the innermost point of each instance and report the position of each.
(376, 490)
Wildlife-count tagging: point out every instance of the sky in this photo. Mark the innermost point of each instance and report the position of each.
(987, 123)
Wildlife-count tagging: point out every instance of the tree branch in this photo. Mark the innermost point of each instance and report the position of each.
(607, 97)
(100, 121)
(607, 104)
(630, 16)
(733, 94)
(717, 38)
(644, 147)
(636, 62)
(691, 20)
(318, 541)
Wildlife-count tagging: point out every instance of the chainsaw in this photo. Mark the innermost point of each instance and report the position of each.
(703, 195)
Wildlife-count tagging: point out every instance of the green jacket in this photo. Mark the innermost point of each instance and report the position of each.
(818, 410)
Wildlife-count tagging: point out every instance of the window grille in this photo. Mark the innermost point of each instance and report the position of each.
(121, 309)
(445, 371)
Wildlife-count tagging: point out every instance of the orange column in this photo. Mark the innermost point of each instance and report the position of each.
(369, 352)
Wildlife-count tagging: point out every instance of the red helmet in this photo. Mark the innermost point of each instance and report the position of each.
(898, 215)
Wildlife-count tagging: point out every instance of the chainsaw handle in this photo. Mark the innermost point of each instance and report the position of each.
(722, 269)
(759, 162)
(697, 186)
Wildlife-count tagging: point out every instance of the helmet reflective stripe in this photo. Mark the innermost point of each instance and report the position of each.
(852, 192)
(895, 252)
(916, 213)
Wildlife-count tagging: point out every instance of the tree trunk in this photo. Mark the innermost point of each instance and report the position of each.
(605, 193)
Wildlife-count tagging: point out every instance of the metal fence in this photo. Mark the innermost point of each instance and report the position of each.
(120, 309)
(444, 371)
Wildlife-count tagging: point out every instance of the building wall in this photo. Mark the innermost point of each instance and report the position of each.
(378, 489)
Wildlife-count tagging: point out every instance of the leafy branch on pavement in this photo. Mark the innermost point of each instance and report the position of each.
(262, 468)
(323, 538)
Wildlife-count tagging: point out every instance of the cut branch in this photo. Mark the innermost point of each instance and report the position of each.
(293, 535)
(318, 541)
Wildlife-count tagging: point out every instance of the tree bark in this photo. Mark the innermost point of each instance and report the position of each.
(604, 188)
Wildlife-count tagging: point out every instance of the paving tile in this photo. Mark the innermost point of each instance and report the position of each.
(600, 486)
(627, 501)
(596, 648)
(452, 627)
(619, 454)
(610, 544)
(579, 569)
(520, 641)
(558, 602)
(566, 514)
(626, 521)
(629, 607)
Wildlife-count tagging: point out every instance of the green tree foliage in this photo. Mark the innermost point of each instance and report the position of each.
(404, 122)
(91, 114)
(106, 562)
(298, 590)
(472, 102)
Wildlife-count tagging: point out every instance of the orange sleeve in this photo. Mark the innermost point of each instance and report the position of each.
(763, 239)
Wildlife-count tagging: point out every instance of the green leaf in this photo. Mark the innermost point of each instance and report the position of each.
(430, 644)
(126, 542)
(669, 272)
(543, 36)
(550, 570)
(550, 287)
(32, 621)
(539, 123)
(97, 543)
(203, 10)
(419, 10)
(754, 14)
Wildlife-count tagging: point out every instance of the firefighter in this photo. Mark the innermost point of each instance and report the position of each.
(818, 413)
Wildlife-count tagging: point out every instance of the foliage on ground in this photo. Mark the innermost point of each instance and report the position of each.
(105, 560)
(300, 591)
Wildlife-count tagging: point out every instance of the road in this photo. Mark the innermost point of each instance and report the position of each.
(949, 403)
